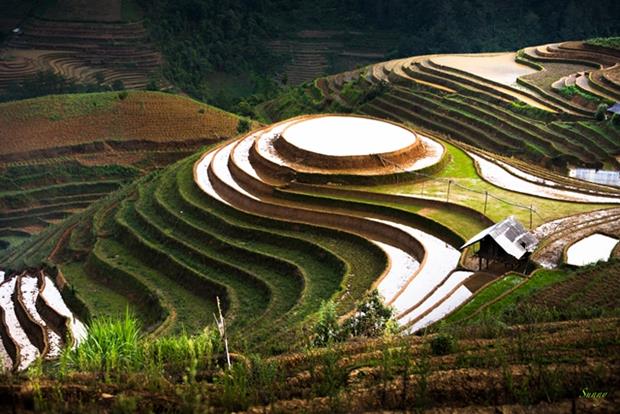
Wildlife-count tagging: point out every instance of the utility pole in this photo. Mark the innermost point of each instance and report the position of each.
(222, 328)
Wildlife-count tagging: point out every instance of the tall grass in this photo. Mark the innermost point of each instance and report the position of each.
(112, 345)
(116, 347)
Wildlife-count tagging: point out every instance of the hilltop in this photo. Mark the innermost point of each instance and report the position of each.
(61, 153)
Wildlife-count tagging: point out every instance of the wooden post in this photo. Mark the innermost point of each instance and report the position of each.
(448, 193)
(222, 328)
(486, 199)
(531, 212)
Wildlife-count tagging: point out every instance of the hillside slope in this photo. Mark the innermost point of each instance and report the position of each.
(526, 105)
(61, 153)
(84, 41)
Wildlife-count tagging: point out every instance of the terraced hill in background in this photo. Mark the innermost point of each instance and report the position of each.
(61, 153)
(313, 53)
(537, 104)
(87, 42)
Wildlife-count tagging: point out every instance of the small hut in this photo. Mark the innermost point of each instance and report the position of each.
(506, 242)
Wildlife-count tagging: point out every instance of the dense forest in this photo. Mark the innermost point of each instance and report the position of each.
(218, 50)
(203, 37)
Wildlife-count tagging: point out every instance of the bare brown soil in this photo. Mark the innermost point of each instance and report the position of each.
(478, 280)
(141, 116)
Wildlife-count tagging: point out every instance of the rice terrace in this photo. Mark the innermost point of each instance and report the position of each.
(278, 206)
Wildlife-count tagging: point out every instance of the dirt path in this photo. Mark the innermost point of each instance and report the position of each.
(61, 242)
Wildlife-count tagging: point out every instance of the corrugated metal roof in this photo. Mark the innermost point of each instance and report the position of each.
(510, 235)
(615, 108)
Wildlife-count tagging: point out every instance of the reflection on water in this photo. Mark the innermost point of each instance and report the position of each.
(596, 176)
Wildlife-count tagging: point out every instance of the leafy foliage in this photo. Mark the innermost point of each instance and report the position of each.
(326, 329)
(601, 110)
(50, 83)
(371, 319)
(442, 344)
(610, 42)
(243, 125)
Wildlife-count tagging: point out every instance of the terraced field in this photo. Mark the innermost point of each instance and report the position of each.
(59, 154)
(35, 320)
(314, 53)
(86, 43)
(509, 104)
(273, 228)
(317, 208)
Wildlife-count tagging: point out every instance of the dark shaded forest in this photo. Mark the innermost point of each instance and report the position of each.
(202, 37)
(217, 50)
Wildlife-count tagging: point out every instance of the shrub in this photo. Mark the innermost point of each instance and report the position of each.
(326, 330)
(442, 344)
(123, 95)
(370, 319)
(118, 85)
(600, 112)
(152, 85)
(243, 125)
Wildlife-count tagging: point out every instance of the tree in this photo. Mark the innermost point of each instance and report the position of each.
(118, 85)
(99, 77)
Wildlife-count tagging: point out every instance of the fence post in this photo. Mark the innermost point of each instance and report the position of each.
(531, 212)
(486, 199)
(222, 329)
(448, 193)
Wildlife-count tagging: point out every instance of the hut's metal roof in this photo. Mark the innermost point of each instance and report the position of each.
(510, 235)
(615, 108)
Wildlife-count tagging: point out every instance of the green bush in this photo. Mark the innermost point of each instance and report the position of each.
(601, 112)
(326, 329)
(243, 125)
(118, 85)
(609, 42)
(442, 344)
(370, 319)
